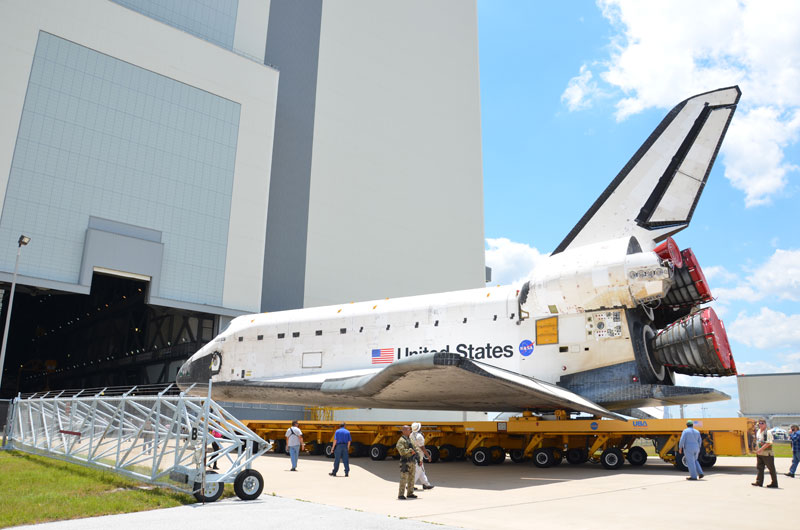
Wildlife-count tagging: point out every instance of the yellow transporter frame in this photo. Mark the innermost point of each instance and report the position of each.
(545, 441)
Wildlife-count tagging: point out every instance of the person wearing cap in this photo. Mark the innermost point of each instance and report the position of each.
(794, 436)
(418, 439)
(689, 445)
(408, 460)
(764, 455)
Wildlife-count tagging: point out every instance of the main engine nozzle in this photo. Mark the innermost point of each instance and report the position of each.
(697, 344)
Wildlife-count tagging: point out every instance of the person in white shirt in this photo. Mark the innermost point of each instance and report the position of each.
(418, 439)
(294, 441)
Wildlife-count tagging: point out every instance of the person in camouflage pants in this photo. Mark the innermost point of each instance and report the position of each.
(408, 465)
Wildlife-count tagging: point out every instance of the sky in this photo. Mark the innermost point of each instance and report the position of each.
(570, 90)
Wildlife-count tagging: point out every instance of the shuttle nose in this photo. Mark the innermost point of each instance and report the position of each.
(196, 370)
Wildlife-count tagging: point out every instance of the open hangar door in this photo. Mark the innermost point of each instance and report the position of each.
(111, 337)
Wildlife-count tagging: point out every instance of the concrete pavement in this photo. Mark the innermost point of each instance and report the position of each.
(507, 496)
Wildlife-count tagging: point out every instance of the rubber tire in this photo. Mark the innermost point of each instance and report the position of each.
(577, 456)
(637, 456)
(543, 457)
(357, 449)
(707, 461)
(317, 448)
(447, 452)
(434, 453)
(245, 481)
(280, 447)
(517, 456)
(216, 494)
(498, 454)
(558, 456)
(460, 453)
(329, 449)
(378, 451)
(612, 458)
(481, 456)
(680, 462)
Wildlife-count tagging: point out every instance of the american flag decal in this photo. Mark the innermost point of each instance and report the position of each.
(383, 356)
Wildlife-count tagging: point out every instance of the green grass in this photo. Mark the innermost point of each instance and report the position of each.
(782, 449)
(35, 489)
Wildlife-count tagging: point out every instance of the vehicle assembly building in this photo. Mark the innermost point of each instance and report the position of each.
(178, 164)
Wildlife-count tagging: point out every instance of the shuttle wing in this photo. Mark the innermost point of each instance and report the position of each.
(655, 194)
(433, 381)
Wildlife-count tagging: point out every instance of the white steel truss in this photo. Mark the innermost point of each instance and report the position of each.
(186, 443)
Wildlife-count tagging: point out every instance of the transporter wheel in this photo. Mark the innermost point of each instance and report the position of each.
(279, 446)
(706, 460)
(357, 449)
(461, 453)
(543, 457)
(317, 448)
(248, 485)
(558, 456)
(577, 456)
(498, 454)
(378, 452)
(212, 491)
(680, 462)
(517, 455)
(637, 456)
(329, 449)
(447, 452)
(434, 453)
(481, 456)
(612, 458)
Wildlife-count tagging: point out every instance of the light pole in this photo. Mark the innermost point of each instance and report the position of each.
(23, 240)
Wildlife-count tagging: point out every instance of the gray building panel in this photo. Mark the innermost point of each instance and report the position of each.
(121, 253)
(211, 20)
(293, 40)
(102, 137)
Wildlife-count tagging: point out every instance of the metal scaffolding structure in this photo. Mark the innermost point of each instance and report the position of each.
(183, 442)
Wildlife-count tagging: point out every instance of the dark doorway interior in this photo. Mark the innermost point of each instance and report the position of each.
(109, 338)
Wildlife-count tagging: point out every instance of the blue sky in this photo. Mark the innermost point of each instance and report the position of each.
(570, 90)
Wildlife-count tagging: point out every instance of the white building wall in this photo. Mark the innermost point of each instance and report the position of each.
(396, 191)
(134, 38)
(769, 394)
(252, 19)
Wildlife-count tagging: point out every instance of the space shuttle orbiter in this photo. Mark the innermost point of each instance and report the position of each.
(603, 324)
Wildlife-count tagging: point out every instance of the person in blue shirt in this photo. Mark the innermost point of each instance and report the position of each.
(690, 445)
(341, 448)
(794, 436)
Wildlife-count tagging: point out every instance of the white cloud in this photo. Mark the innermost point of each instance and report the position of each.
(511, 262)
(580, 90)
(754, 153)
(767, 329)
(767, 367)
(778, 278)
(664, 51)
(720, 274)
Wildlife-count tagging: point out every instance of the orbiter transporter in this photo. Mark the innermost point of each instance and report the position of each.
(603, 324)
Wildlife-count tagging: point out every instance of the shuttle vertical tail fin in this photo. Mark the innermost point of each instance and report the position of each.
(655, 194)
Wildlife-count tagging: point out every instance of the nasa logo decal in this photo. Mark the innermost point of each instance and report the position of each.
(526, 348)
(594, 425)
